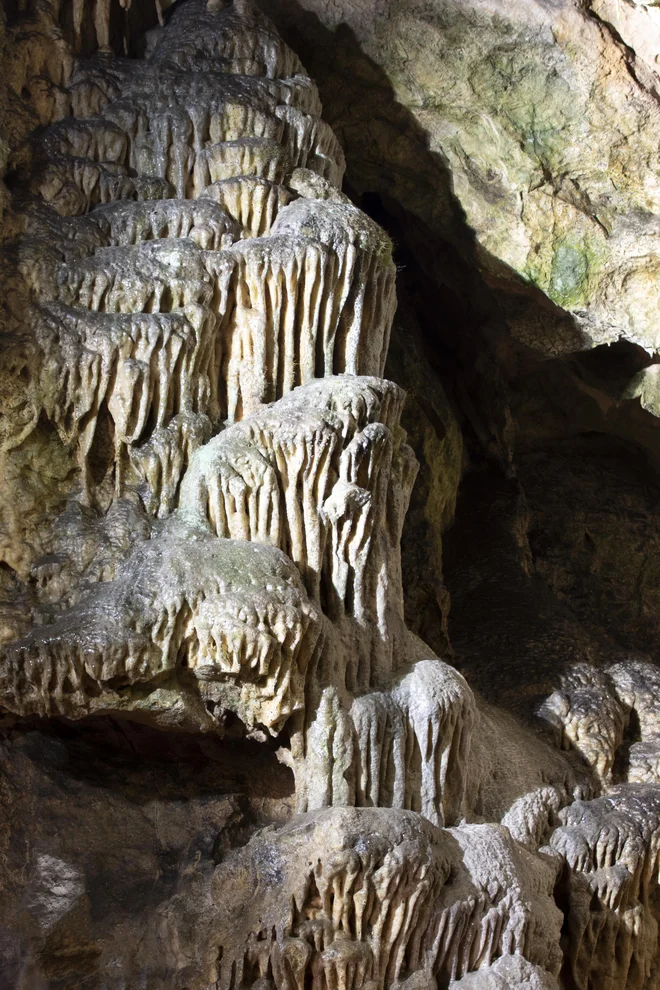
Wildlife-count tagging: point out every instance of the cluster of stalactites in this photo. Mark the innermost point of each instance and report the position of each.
(48, 33)
(365, 899)
(189, 621)
(406, 746)
(189, 261)
(186, 282)
(324, 475)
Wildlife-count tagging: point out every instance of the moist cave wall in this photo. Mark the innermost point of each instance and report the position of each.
(329, 516)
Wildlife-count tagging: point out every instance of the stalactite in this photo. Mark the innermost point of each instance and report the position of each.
(363, 900)
(196, 322)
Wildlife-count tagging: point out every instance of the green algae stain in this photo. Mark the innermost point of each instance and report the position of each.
(569, 275)
(569, 272)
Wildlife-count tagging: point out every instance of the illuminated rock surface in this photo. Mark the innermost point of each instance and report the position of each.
(228, 759)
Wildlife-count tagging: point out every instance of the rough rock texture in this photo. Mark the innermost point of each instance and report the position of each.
(243, 487)
(366, 897)
(533, 123)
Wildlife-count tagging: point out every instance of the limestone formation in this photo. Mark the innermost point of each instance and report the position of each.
(611, 851)
(227, 761)
(524, 132)
(360, 898)
(611, 717)
(507, 972)
(225, 611)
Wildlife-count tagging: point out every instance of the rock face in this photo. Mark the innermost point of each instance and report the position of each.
(229, 761)
(534, 124)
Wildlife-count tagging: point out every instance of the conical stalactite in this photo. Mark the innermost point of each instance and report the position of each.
(196, 322)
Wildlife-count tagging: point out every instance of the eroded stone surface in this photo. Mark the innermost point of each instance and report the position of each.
(534, 123)
(358, 898)
(205, 482)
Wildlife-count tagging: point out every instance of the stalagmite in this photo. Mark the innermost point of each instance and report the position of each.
(363, 898)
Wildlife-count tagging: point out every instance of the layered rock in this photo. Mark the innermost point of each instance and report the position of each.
(205, 483)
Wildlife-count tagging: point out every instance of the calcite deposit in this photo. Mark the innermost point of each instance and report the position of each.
(244, 743)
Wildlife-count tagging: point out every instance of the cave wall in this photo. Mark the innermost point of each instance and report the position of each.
(329, 484)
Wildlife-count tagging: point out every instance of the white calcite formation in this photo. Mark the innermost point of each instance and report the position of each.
(355, 898)
(611, 844)
(180, 169)
(207, 534)
(232, 614)
(324, 475)
(612, 849)
(508, 971)
(612, 718)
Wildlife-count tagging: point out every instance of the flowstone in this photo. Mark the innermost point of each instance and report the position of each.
(205, 478)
